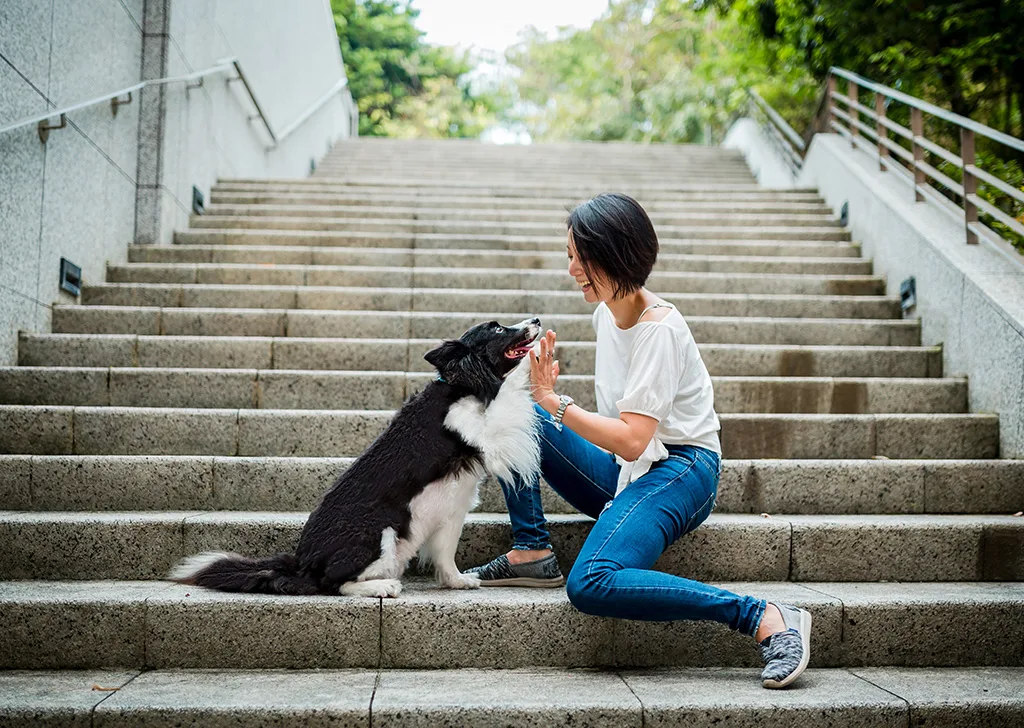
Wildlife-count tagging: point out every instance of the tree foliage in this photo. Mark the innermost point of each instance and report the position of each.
(646, 71)
(403, 86)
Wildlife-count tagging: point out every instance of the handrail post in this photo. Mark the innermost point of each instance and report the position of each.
(829, 102)
(852, 92)
(917, 129)
(883, 151)
(970, 183)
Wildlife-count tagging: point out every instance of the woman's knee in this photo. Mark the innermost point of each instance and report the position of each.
(587, 588)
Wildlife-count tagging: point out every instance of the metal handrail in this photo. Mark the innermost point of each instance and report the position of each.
(777, 120)
(930, 109)
(919, 172)
(223, 65)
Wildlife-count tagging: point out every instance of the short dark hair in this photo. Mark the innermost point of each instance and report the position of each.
(613, 234)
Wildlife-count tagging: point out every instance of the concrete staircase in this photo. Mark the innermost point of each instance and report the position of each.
(205, 394)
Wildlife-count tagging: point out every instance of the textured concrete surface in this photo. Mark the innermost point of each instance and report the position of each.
(735, 697)
(979, 697)
(184, 623)
(504, 699)
(64, 699)
(163, 699)
(69, 625)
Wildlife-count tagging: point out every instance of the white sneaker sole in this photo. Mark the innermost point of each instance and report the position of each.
(525, 581)
(805, 637)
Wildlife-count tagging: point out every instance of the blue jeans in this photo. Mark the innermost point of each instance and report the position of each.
(612, 576)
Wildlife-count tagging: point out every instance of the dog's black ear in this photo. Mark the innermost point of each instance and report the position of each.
(442, 357)
(472, 373)
(459, 366)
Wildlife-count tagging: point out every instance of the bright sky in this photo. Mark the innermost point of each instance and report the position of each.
(493, 24)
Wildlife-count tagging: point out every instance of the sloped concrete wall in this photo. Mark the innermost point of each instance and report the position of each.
(76, 195)
(970, 298)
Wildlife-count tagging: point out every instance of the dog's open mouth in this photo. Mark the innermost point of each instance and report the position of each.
(521, 349)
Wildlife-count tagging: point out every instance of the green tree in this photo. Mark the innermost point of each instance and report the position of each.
(648, 70)
(403, 86)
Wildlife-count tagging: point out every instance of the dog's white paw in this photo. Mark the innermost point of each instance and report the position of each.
(375, 588)
(461, 581)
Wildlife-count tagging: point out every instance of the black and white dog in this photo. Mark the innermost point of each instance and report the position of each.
(410, 491)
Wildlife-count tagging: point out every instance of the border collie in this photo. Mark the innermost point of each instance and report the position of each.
(410, 491)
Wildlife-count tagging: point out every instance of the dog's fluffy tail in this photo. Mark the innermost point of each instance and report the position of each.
(234, 573)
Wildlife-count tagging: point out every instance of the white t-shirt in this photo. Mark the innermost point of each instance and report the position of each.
(654, 369)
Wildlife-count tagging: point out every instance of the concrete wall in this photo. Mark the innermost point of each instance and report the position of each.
(970, 298)
(75, 196)
(762, 157)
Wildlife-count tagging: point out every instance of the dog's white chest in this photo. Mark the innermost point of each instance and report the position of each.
(505, 431)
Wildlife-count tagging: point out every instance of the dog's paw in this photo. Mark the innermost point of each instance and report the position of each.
(375, 588)
(461, 581)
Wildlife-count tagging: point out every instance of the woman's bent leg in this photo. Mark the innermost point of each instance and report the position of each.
(583, 474)
(612, 576)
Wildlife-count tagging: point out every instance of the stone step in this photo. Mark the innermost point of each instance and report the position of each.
(205, 483)
(539, 302)
(298, 389)
(482, 196)
(471, 206)
(79, 625)
(455, 258)
(406, 355)
(497, 278)
(727, 547)
(73, 319)
(61, 430)
(643, 191)
(738, 215)
(480, 241)
(551, 697)
(748, 231)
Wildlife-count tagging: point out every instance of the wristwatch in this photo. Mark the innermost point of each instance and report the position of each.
(564, 400)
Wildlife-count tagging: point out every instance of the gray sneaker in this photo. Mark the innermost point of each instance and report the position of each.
(787, 653)
(501, 572)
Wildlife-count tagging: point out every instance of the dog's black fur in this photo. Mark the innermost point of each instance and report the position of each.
(343, 534)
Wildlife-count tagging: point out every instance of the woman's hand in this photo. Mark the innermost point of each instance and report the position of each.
(543, 368)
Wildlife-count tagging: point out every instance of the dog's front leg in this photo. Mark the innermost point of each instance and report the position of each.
(440, 549)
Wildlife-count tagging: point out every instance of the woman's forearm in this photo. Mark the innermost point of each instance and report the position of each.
(611, 434)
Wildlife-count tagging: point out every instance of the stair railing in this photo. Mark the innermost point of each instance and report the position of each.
(844, 114)
(125, 96)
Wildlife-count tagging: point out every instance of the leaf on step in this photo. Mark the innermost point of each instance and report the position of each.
(1019, 513)
(879, 457)
(103, 689)
(765, 515)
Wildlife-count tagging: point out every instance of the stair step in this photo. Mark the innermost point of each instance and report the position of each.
(750, 231)
(543, 189)
(478, 278)
(58, 430)
(445, 299)
(546, 220)
(694, 245)
(204, 483)
(552, 697)
(383, 204)
(500, 279)
(456, 258)
(406, 355)
(727, 547)
(298, 389)
(184, 321)
(79, 625)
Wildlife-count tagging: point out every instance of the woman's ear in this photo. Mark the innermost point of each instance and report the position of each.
(442, 357)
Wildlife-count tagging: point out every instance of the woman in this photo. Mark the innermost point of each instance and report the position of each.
(646, 466)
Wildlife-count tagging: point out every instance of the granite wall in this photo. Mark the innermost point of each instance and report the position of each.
(110, 179)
